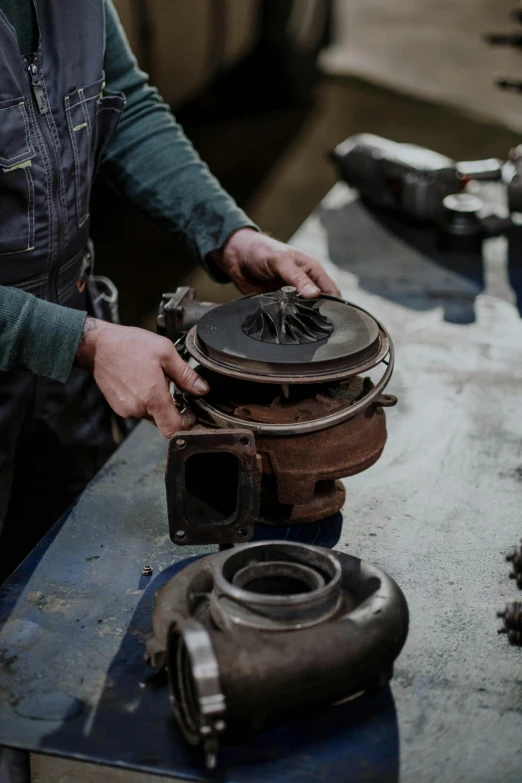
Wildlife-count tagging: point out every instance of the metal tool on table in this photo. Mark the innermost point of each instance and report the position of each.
(289, 413)
(405, 177)
(423, 185)
(266, 629)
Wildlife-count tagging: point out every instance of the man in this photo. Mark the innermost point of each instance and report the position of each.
(67, 77)
(63, 69)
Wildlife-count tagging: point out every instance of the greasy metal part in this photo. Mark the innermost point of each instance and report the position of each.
(298, 476)
(272, 404)
(309, 425)
(374, 396)
(180, 311)
(512, 616)
(305, 375)
(282, 642)
(213, 482)
(146, 570)
(357, 343)
(515, 558)
(285, 319)
(327, 500)
(298, 464)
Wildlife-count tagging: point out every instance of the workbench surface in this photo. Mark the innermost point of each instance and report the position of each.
(438, 512)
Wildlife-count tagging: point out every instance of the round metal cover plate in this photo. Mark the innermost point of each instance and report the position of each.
(219, 338)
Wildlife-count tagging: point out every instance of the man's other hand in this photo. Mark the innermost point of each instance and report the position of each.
(256, 263)
(133, 368)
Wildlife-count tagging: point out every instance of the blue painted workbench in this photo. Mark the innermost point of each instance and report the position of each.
(73, 677)
(437, 511)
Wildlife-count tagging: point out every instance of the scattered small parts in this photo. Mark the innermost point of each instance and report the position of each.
(512, 616)
(515, 558)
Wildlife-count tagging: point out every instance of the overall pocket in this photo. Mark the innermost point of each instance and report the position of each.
(16, 182)
(79, 110)
(92, 116)
(109, 109)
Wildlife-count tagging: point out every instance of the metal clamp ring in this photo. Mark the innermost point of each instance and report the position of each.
(305, 427)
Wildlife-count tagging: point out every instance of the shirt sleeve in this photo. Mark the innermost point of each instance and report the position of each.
(38, 336)
(154, 163)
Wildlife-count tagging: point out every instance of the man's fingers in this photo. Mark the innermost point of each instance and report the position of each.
(183, 376)
(162, 411)
(165, 414)
(319, 276)
(188, 419)
(291, 273)
(306, 274)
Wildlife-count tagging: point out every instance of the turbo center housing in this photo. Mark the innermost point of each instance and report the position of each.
(289, 413)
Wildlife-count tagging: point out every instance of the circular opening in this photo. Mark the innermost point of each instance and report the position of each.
(294, 560)
(244, 441)
(180, 535)
(180, 443)
(277, 585)
(243, 532)
(278, 578)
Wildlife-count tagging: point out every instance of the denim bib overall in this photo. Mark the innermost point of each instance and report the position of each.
(56, 120)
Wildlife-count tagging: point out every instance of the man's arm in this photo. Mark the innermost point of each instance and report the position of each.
(36, 335)
(157, 167)
(154, 163)
(132, 367)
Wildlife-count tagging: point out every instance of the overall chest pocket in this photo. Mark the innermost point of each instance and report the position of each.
(92, 116)
(16, 181)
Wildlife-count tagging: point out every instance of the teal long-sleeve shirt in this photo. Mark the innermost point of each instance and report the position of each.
(154, 164)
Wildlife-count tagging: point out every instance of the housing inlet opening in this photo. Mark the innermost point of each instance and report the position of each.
(213, 483)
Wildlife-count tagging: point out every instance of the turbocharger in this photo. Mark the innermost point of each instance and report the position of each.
(258, 631)
(290, 411)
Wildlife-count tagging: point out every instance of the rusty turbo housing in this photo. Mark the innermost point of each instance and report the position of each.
(266, 628)
(274, 437)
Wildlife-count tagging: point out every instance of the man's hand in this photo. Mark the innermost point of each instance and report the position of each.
(133, 368)
(257, 263)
